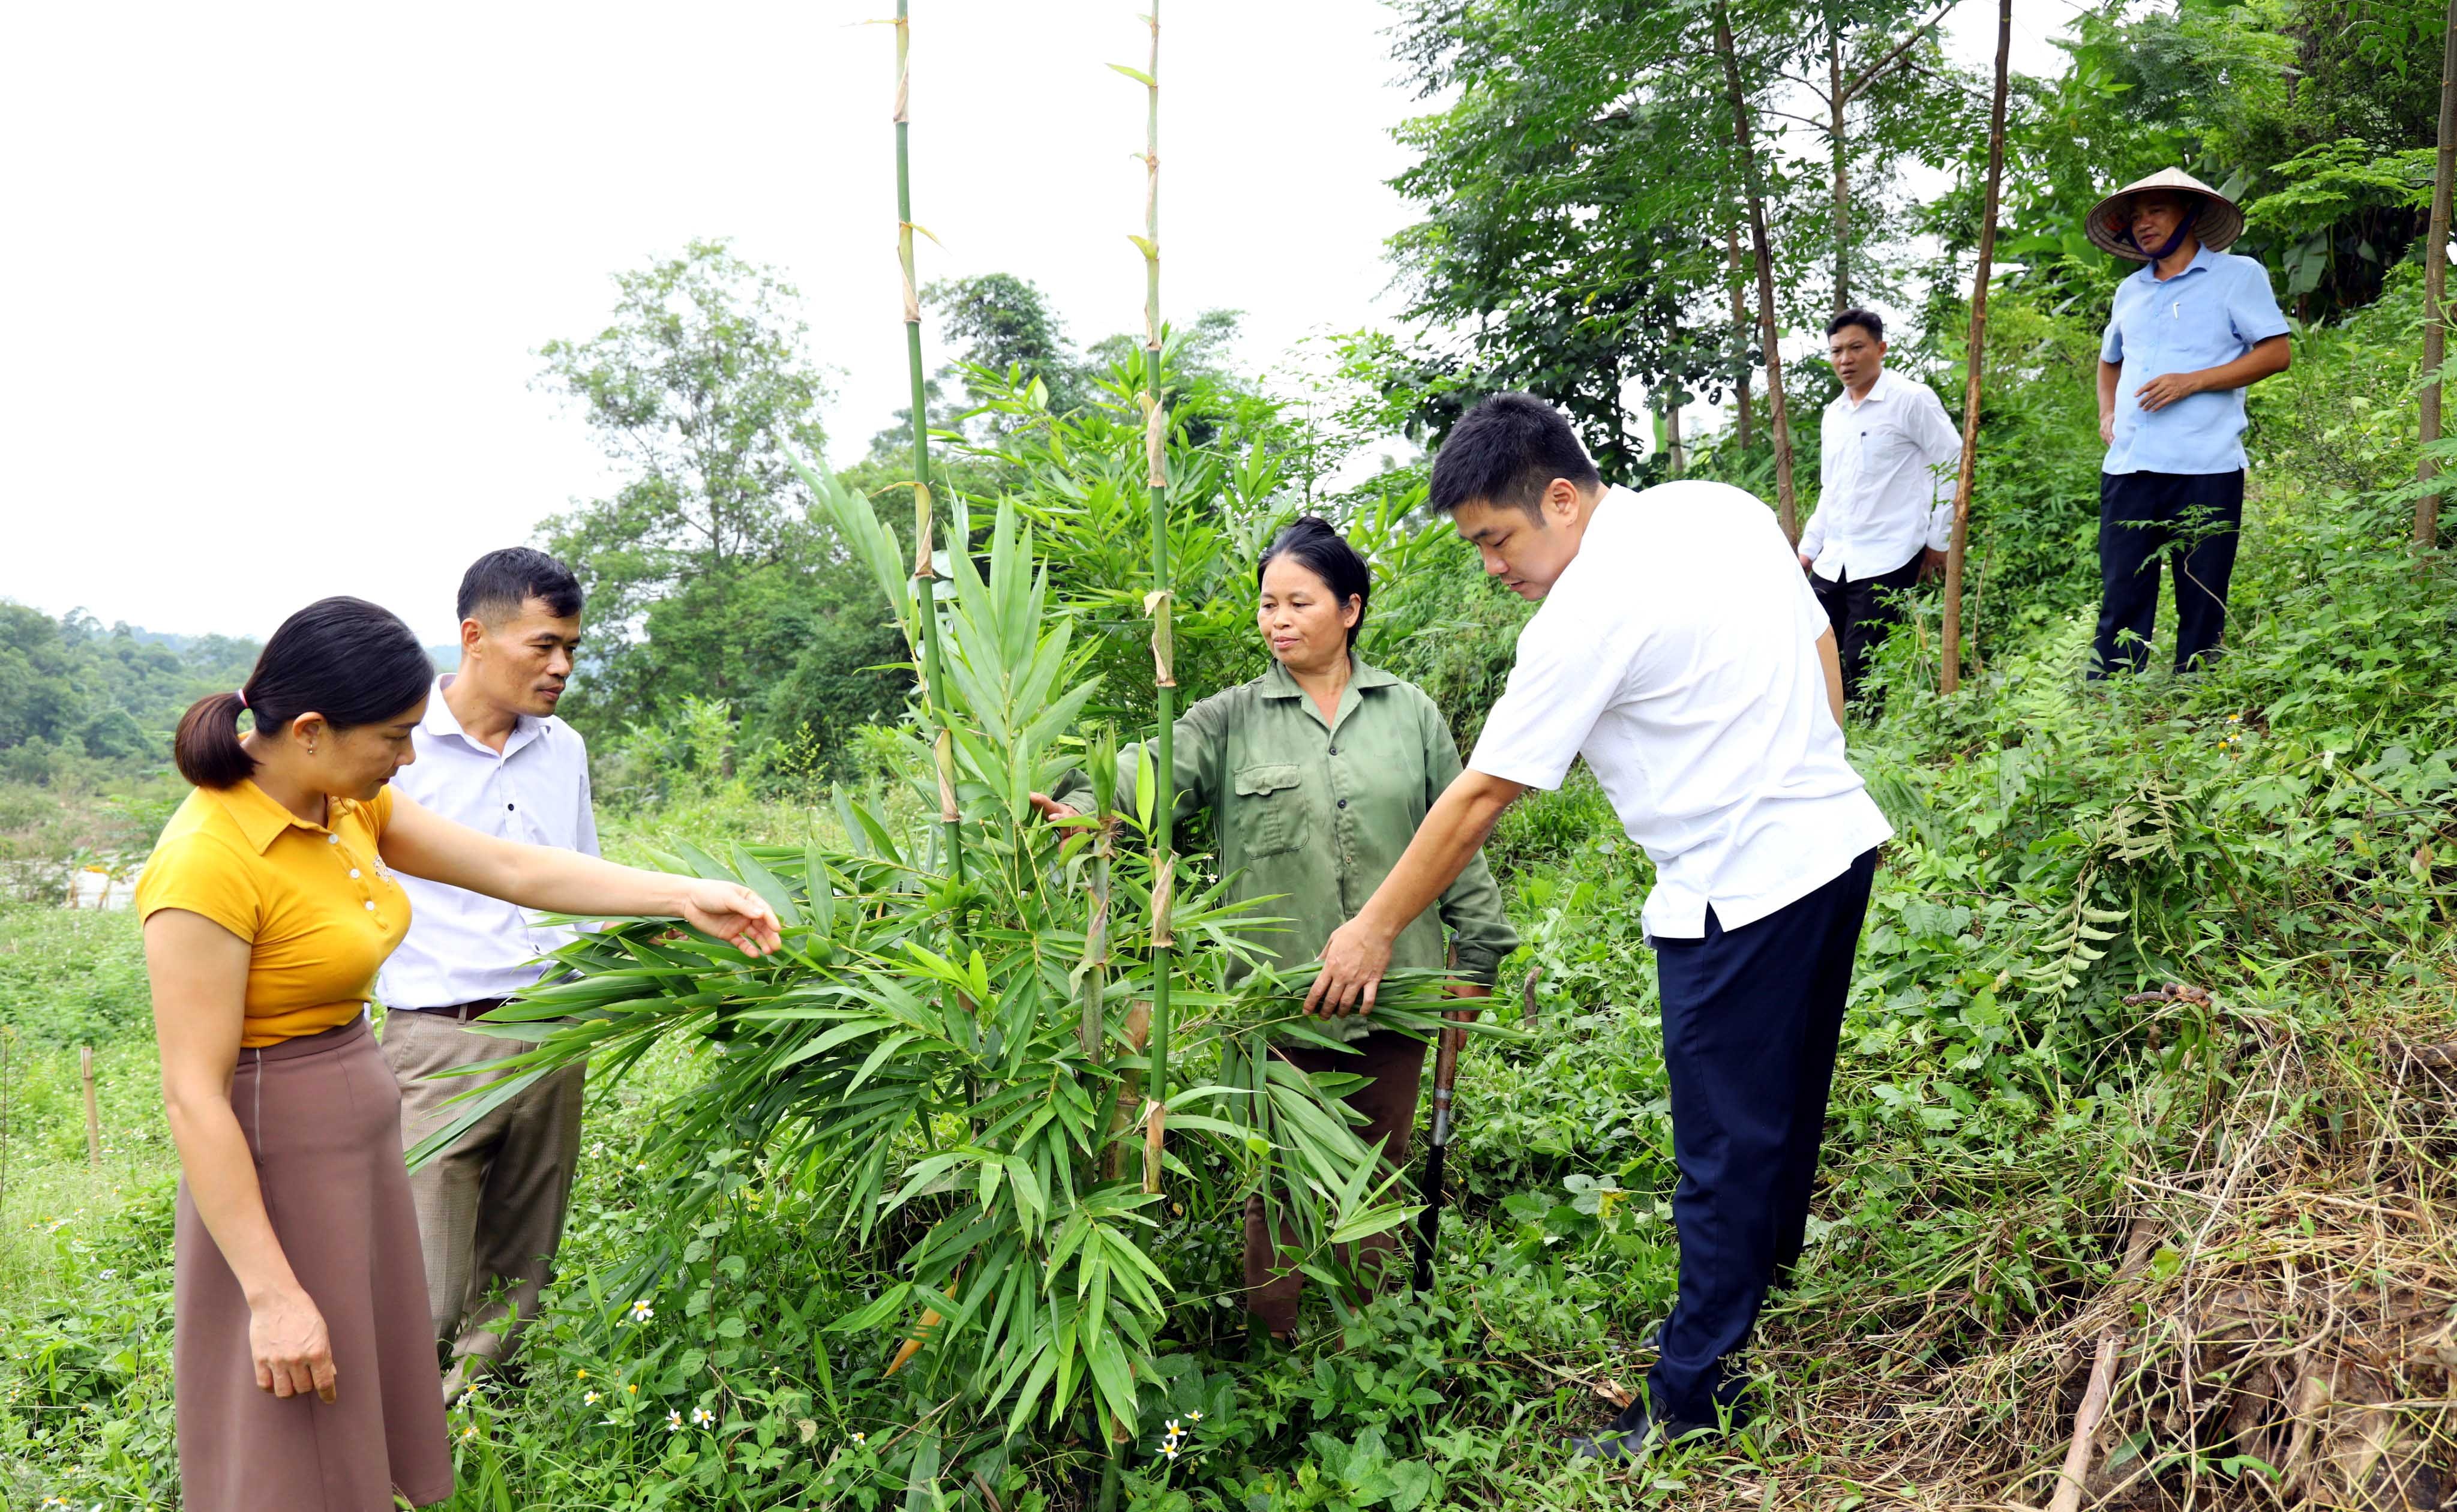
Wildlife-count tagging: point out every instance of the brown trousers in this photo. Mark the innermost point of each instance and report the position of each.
(1397, 1063)
(490, 1207)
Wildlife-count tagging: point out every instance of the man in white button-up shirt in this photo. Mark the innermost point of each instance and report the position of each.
(1678, 651)
(1885, 508)
(491, 756)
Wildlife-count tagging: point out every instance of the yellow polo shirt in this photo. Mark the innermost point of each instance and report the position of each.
(317, 904)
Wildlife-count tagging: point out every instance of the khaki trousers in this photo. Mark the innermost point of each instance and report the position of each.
(490, 1207)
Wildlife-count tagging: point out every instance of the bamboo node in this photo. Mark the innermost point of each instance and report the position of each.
(1155, 1133)
(903, 76)
(1163, 642)
(1155, 444)
(1164, 898)
(946, 754)
(924, 568)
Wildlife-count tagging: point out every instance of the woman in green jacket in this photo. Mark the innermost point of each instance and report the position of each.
(1317, 774)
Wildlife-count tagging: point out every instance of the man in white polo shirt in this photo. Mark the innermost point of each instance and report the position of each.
(1681, 653)
(1885, 508)
(491, 756)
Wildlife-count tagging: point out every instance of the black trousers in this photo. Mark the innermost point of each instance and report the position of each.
(1862, 613)
(1750, 1021)
(2189, 519)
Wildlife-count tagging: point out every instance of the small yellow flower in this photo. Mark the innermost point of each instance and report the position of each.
(581, 1374)
(633, 1387)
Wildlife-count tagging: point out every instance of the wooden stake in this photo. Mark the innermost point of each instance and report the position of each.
(2435, 285)
(1787, 504)
(2102, 1371)
(1950, 673)
(93, 1115)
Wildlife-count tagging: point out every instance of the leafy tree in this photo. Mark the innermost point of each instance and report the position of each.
(706, 576)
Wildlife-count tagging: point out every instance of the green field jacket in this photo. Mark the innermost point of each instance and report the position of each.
(1313, 815)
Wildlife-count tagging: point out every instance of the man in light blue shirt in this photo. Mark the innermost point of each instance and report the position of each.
(2186, 336)
(491, 756)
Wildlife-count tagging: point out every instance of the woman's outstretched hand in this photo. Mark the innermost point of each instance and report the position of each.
(733, 913)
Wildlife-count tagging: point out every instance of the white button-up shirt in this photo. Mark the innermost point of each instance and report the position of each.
(1887, 481)
(1678, 654)
(464, 946)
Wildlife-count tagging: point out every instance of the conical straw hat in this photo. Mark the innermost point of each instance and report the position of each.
(2110, 227)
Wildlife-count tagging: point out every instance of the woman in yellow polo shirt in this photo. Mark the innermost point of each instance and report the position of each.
(303, 1365)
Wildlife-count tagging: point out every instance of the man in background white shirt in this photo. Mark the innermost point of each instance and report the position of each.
(1681, 653)
(491, 756)
(1885, 511)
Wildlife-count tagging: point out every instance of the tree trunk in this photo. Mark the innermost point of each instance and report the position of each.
(2435, 285)
(1950, 677)
(1786, 505)
(1739, 325)
(1842, 173)
(1678, 453)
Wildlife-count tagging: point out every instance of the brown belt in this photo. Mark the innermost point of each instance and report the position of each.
(463, 1012)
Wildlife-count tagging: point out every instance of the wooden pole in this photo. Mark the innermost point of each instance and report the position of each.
(1740, 326)
(1837, 100)
(1950, 674)
(1786, 505)
(2435, 285)
(92, 1114)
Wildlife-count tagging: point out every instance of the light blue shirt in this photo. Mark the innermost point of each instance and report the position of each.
(463, 946)
(2215, 311)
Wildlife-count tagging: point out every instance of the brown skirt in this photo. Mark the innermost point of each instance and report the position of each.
(322, 1114)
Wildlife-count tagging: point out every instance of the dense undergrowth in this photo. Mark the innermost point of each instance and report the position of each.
(2007, 1129)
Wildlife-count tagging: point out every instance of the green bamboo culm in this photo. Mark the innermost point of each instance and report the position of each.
(925, 574)
(1158, 604)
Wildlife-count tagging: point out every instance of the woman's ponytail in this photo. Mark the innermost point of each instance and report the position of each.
(349, 660)
(207, 747)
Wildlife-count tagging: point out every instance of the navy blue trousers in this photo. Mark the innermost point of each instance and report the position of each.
(2190, 520)
(1751, 1017)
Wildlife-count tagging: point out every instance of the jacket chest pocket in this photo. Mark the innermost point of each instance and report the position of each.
(1270, 809)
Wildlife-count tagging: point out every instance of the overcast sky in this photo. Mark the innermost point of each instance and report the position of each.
(275, 273)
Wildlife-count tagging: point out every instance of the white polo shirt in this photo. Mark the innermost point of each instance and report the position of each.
(1678, 654)
(464, 946)
(1885, 481)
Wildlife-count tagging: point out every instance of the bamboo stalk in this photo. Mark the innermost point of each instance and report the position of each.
(1778, 414)
(925, 574)
(1950, 671)
(1158, 601)
(2435, 285)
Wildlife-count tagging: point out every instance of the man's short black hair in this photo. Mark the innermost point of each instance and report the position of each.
(1506, 452)
(1865, 320)
(498, 584)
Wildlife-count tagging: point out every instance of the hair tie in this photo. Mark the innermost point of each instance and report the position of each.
(240, 693)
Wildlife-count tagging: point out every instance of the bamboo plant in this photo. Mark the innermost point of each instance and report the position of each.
(1163, 783)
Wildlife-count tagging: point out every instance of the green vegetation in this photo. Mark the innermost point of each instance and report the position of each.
(911, 1127)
